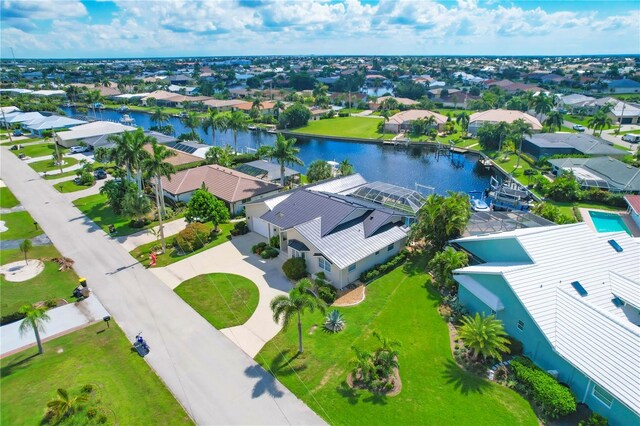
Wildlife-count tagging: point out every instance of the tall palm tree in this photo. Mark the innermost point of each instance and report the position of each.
(278, 107)
(34, 319)
(518, 129)
(238, 122)
(600, 121)
(128, 150)
(542, 104)
(209, 122)
(430, 122)
(221, 121)
(502, 131)
(285, 152)
(555, 120)
(192, 122)
(463, 120)
(159, 116)
(64, 405)
(484, 335)
(346, 168)
(156, 165)
(295, 304)
(93, 97)
(385, 114)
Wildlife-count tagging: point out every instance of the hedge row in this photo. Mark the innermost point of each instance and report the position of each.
(383, 268)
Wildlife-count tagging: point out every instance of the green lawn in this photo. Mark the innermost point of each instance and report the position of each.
(7, 199)
(225, 300)
(347, 127)
(129, 392)
(20, 225)
(577, 120)
(634, 132)
(70, 186)
(402, 306)
(49, 166)
(61, 175)
(40, 150)
(567, 208)
(50, 284)
(568, 130)
(172, 255)
(509, 164)
(21, 141)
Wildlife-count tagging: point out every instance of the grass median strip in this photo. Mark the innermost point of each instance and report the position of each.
(19, 225)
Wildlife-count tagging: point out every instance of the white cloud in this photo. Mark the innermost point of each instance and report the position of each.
(30, 9)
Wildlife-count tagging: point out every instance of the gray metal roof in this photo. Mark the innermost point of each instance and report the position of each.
(583, 143)
(348, 245)
(265, 170)
(617, 175)
(298, 245)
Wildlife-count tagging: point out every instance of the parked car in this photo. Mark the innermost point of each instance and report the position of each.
(16, 147)
(77, 181)
(78, 149)
(17, 132)
(100, 174)
(631, 138)
(579, 127)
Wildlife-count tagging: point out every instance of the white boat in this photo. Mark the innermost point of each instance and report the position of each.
(126, 119)
(123, 108)
(478, 205)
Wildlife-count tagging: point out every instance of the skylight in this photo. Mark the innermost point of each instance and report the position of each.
(578, 287)
(617, 302)
(615, 245)
(395, 197)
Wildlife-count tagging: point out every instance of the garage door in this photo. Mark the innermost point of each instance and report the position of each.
(260, 226)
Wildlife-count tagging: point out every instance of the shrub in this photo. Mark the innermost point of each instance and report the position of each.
(383, 268)
(274, 241)
(257, 249)
(326, 291)
(86, 178)
(594, 420)
(168, 214)
(139, 223)
(295, 268)
(554, 399)
(51, 303)
(240, 228)
(343, 114)
(334, 322)
(193, 237)
(88, 388)
(269, 253)
(12, 317)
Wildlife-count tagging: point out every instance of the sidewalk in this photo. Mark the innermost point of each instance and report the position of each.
(130, 242)
(64, 319)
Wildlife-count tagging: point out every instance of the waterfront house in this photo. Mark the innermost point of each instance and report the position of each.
(90, 132)
(501, 115)
(546, 144)
(222, 105)
(402, 121)
(231, 186)
(342, 227)
(572, 297)
(600, 172)
(268, 171)
(633, 209)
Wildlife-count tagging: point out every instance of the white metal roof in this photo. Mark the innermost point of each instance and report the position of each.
(96, 128)
(625, 289)
(343, 185)
(572, 323)
(349, 245)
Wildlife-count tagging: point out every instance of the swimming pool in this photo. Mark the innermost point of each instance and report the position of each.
(608, 222)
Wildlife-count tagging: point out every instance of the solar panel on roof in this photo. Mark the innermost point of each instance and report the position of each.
(615, 245)
(617, 302)
(578, 287)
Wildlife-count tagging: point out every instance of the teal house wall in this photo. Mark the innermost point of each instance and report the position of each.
(537, 347)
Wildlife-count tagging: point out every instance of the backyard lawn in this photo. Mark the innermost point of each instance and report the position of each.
(49, 284)
(50, 166)
(20, 142)
(7, 199)
(40, 150)
(347, 127)
(19, 225)
(129, 392)
(71, 186)
(172, 255)
(577, 120)
(401, 306)
(225, 300)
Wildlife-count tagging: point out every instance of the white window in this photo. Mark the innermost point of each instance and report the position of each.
(390, 247)
(602, 395)
(352, 267)
(324, 264)
(520, 325)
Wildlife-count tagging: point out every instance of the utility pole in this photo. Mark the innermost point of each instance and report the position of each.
(55, 144)
(621, 117)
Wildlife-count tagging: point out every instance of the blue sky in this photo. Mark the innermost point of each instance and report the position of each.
(125, 28)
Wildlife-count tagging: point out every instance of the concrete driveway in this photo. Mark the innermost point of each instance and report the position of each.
(235, 257)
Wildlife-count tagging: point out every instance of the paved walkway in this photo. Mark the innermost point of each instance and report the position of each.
(129, 242)
(210, 376)
(235, 257)
(40, 240)
(62, 320)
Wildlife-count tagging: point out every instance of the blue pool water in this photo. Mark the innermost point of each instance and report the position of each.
(376, 162)
(608, 222)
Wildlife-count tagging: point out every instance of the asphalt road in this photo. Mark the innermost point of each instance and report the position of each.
(215, 381)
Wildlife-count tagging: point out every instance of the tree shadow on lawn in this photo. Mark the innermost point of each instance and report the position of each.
(352, 395)
(280, 367)
(463, 381)
(19, 364)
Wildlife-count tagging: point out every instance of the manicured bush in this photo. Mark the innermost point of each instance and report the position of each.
(295, 268)
(12, 317)
(554, 399)
(343, 114)
(383, 268)
(274, 241)
(326, 291)
(594, 420)
(193, 237)
(240, 228)
(257, 249)
(269, 253)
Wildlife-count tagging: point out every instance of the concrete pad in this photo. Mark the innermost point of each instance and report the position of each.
(21, 271)
(61, 320)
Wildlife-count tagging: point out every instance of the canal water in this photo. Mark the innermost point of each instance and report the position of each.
(376, 162)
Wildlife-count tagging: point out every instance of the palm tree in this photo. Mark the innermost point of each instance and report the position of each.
(385, 114)
(542, 104)
(209, 122)
(58, 159)
(346, 168)
(278, 107)
(257, 103)
(600, 121)
(285, 152)
(63, 405)
(128, 150)
(93, 97)
(156, 166)
(484, 335)
(298, 301)
(555, 120)
(430, 122)
(25, 246)
(518, 129)
(463, 120)
(220, 155)
(238, 122)
(192, 122)
(159, 116)
(34, 319)
(221, 121)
